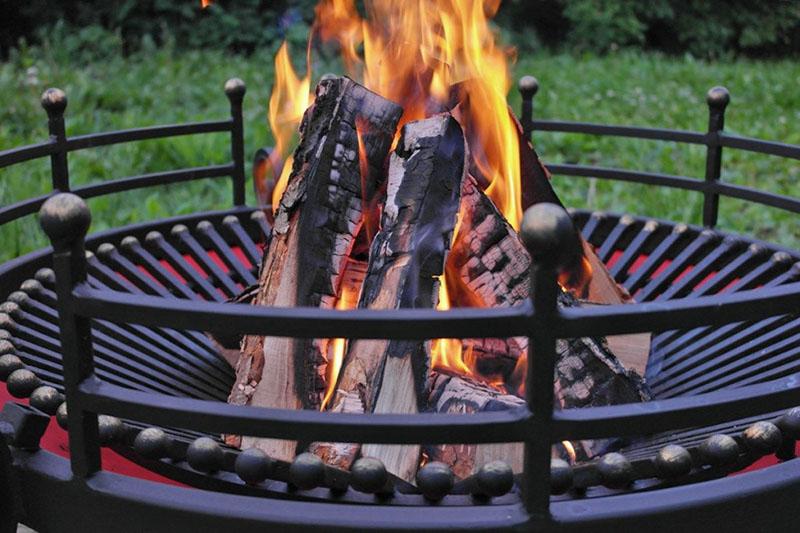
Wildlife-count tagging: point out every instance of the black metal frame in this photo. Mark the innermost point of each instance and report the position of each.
(66, 221)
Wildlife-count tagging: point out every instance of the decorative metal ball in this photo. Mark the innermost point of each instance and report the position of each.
(19, 298)
(548, 233)
(718, 97)
(12, 309)
(253, 466)
(153, 238)
(109, 429)
(32, 287)
(64, 217)
(673, 461)
(129, 243)
(178, 229)
(205, 455)
(46, 399)
(235, 88)
(105, 251)
(204, 226)
(528, 86)
(54, 101)
(5, 335)
(61, 416)
(307, 471)
(22, 382)
(151, 443)
(46, 276)
(615, 470)
(560, 476)
(9, 363)
(762, 437)
(230, 221)
(7, 323)
(368, 475)
(719, 450)
(789, 422)
(435, 480)
(494, 479)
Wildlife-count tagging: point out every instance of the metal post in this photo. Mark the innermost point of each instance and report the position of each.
(528, 87)
(54, 101)
(235, 89)
(548, 234)
(717, 99)
(65, 219)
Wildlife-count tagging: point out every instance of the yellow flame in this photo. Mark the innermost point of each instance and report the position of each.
(348, 299)
(570, 450)
(289, 99)
(428, 56)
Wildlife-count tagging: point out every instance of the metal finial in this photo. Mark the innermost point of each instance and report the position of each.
(54, 101)
(762, 437)
(615, 470)
(528, 86)
(9, 362)
(151, 443)
(65, 217)
(235, 89)
(718, 97)
(719, 450)
(549, 234)
(46, 399)
(560, 476)
(22, 382)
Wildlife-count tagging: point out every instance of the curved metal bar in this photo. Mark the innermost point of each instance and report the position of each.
(787, 203)
(26, 153)
(94, 140)
(303, 322)
(17, 210)
(676, 314)
(658, 134)
(154, 179)
(757, 145)
(675, 413)
(204, 415)
(619, 174)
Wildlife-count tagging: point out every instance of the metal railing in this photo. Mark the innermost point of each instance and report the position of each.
(65, 219)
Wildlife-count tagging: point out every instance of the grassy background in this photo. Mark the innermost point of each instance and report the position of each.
(160, 85)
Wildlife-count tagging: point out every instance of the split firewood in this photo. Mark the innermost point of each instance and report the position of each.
(406, 259)
(461, 395)
(345, 137)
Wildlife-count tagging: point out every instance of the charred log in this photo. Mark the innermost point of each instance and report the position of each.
(316, 223)
(406, 259)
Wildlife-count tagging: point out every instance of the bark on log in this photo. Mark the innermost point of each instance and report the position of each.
(316, 222)
(406, 259)
(460, 395)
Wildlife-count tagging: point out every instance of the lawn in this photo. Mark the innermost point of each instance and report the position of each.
(160, 86)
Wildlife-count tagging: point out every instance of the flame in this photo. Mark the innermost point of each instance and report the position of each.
(289, 99)
(428, 56)
(570, 451)
(348, 299)
(205, 3)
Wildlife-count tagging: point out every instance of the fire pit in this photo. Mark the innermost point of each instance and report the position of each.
(723, 370)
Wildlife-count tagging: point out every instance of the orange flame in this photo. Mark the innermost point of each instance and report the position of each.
(289, 99)
(428, 56)
(348, 299)
(205, 3)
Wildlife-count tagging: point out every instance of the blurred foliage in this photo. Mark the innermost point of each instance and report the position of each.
(703, 28)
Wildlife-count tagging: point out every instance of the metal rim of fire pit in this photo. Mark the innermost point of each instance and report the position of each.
(610, 233)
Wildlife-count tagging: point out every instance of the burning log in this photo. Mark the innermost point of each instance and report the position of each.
(316, 223)
(460, 395)
(406, 259)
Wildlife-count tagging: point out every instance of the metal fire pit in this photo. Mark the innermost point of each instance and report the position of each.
(116, 332)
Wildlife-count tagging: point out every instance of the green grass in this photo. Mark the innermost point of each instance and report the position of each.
(162, 86)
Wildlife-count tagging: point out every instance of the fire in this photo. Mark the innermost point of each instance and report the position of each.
(289, 100)
(428, 56)
(348, 299)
